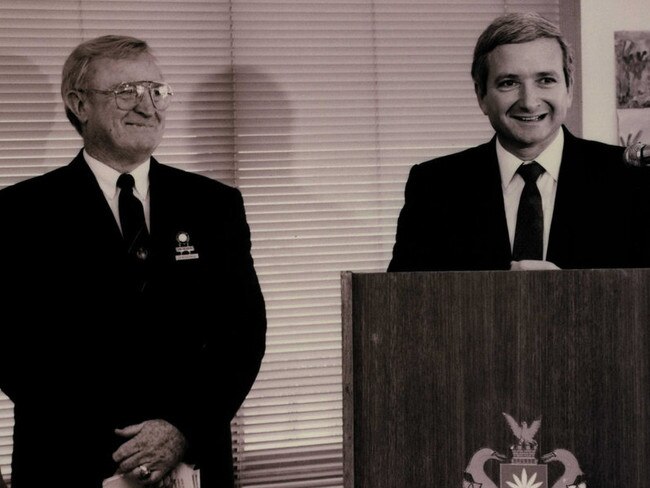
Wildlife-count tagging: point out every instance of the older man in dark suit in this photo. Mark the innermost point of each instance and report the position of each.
(535, 196)
(139, 320)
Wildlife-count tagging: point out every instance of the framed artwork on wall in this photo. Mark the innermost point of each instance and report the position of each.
(632, 54)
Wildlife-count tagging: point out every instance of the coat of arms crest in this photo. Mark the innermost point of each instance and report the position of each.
(522, 468)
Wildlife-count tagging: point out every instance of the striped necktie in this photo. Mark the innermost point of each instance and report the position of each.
(134, 227)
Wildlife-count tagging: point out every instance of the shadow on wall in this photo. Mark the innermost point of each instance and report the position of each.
(30, 105)
(263, 122)
(284, 161)
(229, 120)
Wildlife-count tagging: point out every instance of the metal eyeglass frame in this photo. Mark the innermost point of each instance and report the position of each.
(128, 94)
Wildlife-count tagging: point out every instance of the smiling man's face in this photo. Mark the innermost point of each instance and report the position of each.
(526, 96)
(115, 136)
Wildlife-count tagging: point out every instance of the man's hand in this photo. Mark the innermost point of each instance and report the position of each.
(529, 264)
(153, 449)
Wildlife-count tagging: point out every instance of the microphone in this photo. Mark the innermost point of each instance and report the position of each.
(637, 154)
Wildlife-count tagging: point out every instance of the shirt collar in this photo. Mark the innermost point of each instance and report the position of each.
(550, 159)
(107, 177)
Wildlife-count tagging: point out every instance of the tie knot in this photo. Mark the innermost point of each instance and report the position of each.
(126, 182)
(530, 172)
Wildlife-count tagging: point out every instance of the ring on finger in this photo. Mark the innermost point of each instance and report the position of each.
(145, 472)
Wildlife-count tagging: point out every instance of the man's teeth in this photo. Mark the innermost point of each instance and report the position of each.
(530, 118)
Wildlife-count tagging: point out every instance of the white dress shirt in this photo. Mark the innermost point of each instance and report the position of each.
(107, 179)
(512, 183)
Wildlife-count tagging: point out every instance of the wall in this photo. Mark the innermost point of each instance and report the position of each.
(600, 19)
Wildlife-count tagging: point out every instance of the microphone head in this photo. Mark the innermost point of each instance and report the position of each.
(633, 154)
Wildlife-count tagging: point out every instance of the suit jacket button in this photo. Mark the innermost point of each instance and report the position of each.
(142, 253)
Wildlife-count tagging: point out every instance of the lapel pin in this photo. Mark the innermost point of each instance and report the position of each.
(183, 248)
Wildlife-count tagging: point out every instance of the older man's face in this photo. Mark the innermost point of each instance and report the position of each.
(114, 135)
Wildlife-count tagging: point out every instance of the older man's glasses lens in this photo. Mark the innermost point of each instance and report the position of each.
(129, 94)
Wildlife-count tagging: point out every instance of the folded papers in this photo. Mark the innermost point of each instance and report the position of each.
(183, 476)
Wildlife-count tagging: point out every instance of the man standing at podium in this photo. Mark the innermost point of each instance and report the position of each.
(535, 196)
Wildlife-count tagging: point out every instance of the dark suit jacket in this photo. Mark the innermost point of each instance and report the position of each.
(88, 351)
(454, 218)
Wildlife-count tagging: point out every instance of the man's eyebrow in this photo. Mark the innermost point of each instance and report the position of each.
(540, 74)
(501, 76)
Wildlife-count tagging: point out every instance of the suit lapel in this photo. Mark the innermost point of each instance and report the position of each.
(490, 241)
(89, 203)
(568, 202)
(164, 203)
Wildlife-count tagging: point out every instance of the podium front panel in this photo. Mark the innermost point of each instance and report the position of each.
(432, 361)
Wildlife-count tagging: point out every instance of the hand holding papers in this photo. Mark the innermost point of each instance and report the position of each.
(183, 476)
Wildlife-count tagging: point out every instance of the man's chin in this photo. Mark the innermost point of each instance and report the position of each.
(138, 153)
(532, 136)
(142, 145)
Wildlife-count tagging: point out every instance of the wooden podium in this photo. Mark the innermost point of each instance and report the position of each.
(431, 361)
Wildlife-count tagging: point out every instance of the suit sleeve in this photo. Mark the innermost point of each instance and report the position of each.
(406, 251)
(14, 283)
(246, 316)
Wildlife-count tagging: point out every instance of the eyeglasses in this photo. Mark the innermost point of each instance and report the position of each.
(129, 94)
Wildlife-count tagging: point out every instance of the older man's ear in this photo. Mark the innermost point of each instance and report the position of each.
(75, 102)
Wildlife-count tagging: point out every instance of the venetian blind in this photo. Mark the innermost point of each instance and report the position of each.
(315, 109)
(334, 101)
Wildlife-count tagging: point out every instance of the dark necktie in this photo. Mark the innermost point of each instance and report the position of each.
(134, 228)
(529, 232)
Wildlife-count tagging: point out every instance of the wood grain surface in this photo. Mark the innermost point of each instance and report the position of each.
(431, 360)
